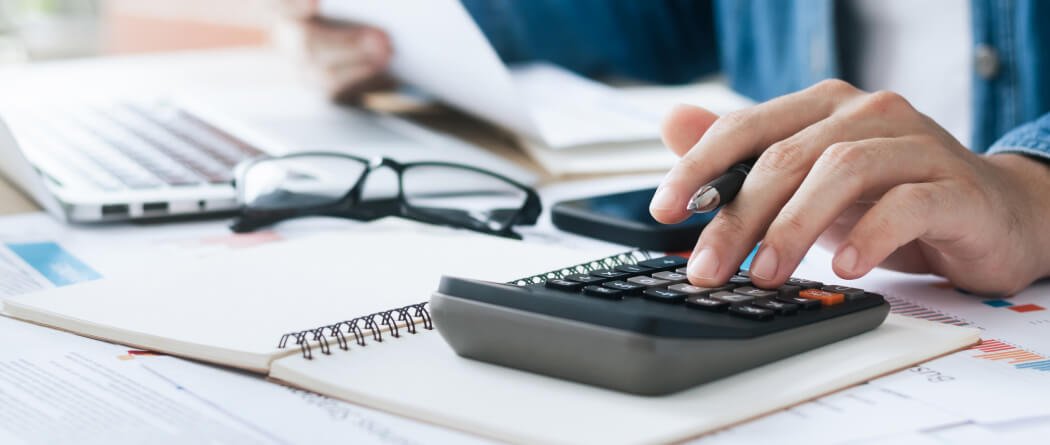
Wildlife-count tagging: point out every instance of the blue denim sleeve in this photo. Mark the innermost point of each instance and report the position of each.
(664, 41)
(1031, 139)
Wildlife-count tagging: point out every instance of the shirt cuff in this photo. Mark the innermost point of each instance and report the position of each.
(1031, 139)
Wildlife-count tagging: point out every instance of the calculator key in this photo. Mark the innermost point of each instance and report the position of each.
(787, 290)
(647, 281)
(804, 284)
(804, 303)
(606, 273)
(682, 270)
(664, 295)
(851, 293)
(706, 303)
(755, 292)
(627, 288)
(780, 307)
(632, 269)
(584, 278)
(603, 292)
(673, 277)
(671, 262)
(752, 312)
(731, 297)
(565, 285)
(739, 280)
(826, 298)
(694, 290)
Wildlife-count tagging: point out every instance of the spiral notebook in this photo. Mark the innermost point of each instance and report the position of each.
(344, 316)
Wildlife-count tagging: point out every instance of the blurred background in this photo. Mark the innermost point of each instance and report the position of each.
(33, 30)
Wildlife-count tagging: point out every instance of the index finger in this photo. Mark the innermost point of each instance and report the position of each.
(741, 135)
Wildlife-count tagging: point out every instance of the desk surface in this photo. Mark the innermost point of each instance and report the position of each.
(13, 201)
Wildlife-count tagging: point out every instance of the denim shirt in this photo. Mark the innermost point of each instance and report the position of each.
(768, 48)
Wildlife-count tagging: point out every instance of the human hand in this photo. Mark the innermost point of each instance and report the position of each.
(864, 174)
(348, 59)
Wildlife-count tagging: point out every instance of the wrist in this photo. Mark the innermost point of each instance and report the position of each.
(1027, 189)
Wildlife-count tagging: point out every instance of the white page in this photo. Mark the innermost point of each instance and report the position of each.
(439, 49)
(420, 376)
(233, 309)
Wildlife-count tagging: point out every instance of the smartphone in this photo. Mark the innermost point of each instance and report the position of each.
(624, 218)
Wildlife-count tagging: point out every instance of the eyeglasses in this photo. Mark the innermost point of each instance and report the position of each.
(275, 189)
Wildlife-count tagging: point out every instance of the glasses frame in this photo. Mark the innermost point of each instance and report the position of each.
(351, 206)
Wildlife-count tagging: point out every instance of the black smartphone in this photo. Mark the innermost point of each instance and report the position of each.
(624, 218)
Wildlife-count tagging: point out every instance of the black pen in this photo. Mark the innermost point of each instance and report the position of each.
(722, 189)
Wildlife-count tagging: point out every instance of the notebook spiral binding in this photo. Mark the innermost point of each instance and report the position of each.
(408, 317)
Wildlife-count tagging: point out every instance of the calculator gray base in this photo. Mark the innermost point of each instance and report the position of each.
(618, 359)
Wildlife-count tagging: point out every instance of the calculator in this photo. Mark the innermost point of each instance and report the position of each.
(642, 328)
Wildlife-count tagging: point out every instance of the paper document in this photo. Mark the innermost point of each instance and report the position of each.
(439, 49)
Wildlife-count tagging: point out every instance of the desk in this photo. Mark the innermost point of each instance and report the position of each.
(12, 201)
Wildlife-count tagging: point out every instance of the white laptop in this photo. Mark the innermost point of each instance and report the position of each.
(122, 158)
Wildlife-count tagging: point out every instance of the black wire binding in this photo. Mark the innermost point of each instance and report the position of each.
(409, 315)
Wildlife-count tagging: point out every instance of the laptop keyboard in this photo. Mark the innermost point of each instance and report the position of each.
(129, 146)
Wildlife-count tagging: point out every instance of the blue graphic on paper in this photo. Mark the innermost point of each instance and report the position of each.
(54, 263)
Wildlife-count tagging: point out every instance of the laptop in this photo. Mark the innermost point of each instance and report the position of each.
(126, 159)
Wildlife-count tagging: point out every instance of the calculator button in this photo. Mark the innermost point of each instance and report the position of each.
(632, 269)
(787, 290)
(584, 278)
(606, 273)
(565, 285)
(755, 292)
(706, 303)
(627, 288)
(647, 281)
(851, 293)
(682, 270)
(665, 263)
(740, 280)
(731, 297)
(664, 295)
(804, 284)
(804, 303)
(826, 298)
(673, 277)
(779, 307)
(694, 290)
(603, 292)
(752, 312)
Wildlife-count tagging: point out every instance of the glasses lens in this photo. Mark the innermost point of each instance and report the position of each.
(461, 196)
(298, 181)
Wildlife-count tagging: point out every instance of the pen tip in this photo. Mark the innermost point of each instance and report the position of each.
(706, 200)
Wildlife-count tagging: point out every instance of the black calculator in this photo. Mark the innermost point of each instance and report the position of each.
(642, 328)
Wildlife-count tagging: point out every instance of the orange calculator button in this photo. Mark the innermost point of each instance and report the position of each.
(826, 298)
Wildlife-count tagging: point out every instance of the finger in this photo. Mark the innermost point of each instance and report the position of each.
(777, 174)
(903, 214)
(298, 9)
(683, 127)
(741, 135)
(330, 44)
(843, 174)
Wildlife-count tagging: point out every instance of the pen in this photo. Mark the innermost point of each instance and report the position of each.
(722, 189)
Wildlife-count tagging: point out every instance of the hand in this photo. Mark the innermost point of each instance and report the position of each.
(868, 176)
(348, 59)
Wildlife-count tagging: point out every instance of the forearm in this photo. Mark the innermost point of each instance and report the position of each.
(662, 41)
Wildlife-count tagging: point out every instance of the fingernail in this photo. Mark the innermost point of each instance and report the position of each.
(765, 264)
(704, 264)
(663, 199)
(846, 260)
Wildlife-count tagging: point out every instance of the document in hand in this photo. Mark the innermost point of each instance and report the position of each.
(235, 309)
(568, 123)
